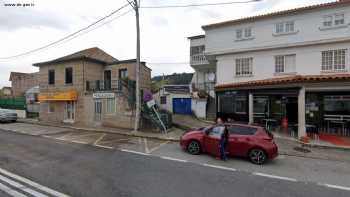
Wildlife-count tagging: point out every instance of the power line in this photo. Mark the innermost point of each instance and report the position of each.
(66, 37)
(202, 4)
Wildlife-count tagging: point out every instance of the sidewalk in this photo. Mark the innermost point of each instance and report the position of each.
(287, 146)
(172, 135)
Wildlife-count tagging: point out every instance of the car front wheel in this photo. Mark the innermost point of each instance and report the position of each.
(257, 156)
(194, 147)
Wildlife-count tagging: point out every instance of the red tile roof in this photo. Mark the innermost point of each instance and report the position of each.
(285, 80)
(280, 13)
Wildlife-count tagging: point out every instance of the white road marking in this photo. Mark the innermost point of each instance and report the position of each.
(156, 148)
(335, 186)
(79, 142)
(64, 136)
(102, 146)
(99, 139)
(219, 167)
(22, 187)
(33, 184)
(136, 152)
(115, 140)
(146, 145)
(274, 176)
(84, 135)
(10, 191)
(173, 159)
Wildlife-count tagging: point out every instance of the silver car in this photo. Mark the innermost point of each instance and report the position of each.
(7, 115)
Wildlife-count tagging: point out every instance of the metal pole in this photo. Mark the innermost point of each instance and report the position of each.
(138, 101)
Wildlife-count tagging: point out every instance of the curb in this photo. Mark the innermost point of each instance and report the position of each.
(312, 145)
(103, 131)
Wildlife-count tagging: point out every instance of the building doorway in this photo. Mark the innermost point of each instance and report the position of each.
(292, 110)
(98, 110)
(69, 112)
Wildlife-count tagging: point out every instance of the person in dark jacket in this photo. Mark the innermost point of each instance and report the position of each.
(223, 144)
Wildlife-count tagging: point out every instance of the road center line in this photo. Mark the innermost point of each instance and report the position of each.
(219, 167)
(131, 151)
(173, 159)
(335, 186)
(274, 176)
(33, 184)
(10, 191)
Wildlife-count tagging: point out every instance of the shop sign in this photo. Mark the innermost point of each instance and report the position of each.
(102, 95)
(151, 103)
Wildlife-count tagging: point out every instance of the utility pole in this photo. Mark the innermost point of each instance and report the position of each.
(135, 5)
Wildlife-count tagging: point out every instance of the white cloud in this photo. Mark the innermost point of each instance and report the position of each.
(164, 32)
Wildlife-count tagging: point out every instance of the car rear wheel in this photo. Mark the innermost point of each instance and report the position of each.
(194, 147)
(257, 156)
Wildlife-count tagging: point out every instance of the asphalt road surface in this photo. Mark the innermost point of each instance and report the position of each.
(48, 167)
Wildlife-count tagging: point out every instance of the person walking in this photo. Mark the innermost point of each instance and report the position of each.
(224, 139)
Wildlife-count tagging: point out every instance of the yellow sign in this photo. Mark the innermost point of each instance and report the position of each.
(59, 96)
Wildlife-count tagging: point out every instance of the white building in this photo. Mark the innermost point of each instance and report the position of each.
(203, 80)
(291, 64)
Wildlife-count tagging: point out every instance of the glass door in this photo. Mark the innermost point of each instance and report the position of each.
(70, 111)
(98, 110)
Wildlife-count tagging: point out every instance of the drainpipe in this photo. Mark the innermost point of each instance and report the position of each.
(251, 108)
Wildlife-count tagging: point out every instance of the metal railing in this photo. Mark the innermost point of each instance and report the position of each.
(103, 85)
(207, 86)
(199, 59)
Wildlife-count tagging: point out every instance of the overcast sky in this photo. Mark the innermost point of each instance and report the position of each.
(164, 32)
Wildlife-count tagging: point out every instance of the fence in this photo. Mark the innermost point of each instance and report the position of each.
(13, 103)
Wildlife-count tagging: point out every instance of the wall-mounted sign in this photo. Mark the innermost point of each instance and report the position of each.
(102, 95)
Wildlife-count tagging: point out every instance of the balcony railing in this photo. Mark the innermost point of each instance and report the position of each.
(207, 86)
(103, 85)
(199, 59)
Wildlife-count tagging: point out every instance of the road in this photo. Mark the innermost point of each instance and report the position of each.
(121, 166)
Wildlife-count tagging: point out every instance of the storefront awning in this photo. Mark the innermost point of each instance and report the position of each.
(59, 96)
(285, 80)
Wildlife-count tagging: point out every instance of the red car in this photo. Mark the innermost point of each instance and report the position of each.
(253, 142)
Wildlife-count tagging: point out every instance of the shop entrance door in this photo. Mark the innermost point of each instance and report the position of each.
(69, 111)
(292, 110)
(98, 110)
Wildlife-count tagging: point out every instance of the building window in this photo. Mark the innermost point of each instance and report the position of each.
(334, 60)
(197, 50)
(69, 75)
(339, 19)
(290, 26)
(285, 27)
(110, 105)
(163, 100)
(285, 63)
(248, 32)
(51, 107)
(51, 77)
(239, 34)
(123, 73)
(333, 20)
(244, 66)
(242, 34)
(279, 28)
(328, 21)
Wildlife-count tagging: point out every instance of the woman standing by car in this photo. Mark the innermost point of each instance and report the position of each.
(223, 144)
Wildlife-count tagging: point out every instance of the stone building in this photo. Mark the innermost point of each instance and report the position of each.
(90, 88)
(21, 82)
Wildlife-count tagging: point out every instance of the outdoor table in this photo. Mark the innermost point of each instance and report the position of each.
(267, 121)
